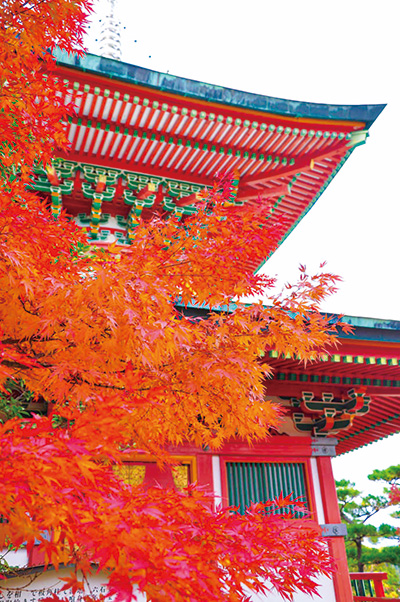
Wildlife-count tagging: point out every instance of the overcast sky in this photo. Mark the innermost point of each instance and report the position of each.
(342, 52)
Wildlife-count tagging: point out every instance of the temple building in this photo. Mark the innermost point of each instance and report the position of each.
(143, 141)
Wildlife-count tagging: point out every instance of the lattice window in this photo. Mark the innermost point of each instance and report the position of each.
(263, 481)
(134, 473)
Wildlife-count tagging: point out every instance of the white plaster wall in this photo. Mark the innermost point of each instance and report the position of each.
(317, 492)
(216, 470)
(325, 590)
(15, 558)
(31, 587)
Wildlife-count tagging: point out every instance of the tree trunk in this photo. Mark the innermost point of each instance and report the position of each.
(360, 564)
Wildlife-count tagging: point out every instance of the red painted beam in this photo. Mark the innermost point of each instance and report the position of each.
(287, 388)
(301, 165)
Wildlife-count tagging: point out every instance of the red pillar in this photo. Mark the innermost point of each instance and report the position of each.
(341, 579)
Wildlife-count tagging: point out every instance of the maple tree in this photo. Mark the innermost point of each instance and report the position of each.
(102, 338)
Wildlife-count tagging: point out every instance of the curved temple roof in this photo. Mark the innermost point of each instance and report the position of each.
(209, 92)
(157, 140)
(367, 362)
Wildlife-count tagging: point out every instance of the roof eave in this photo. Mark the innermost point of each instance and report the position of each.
(133, 74)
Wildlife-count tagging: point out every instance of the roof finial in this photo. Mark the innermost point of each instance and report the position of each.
(110, 40)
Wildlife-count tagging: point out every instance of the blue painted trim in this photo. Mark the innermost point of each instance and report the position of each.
(209, 92)
(368, 329)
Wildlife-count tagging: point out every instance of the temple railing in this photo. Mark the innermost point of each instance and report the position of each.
(369, 587)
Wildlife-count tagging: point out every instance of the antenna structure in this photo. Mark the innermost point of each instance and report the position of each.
(110, 38)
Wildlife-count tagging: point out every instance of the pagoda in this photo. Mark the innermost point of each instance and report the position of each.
(144, 142)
